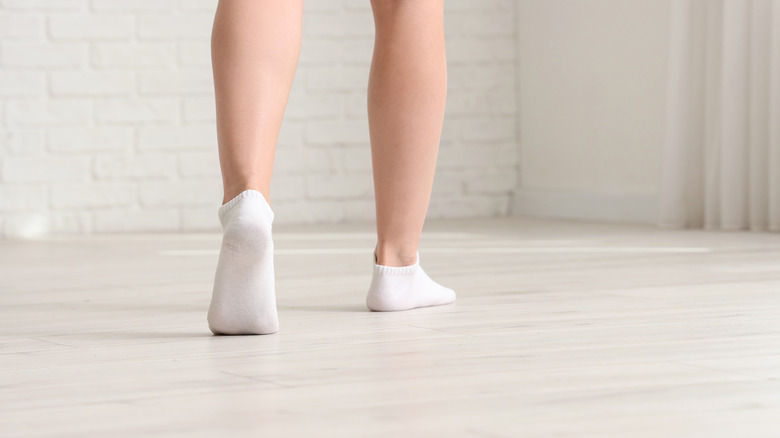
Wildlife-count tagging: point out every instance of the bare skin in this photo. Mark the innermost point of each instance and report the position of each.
(407, 89)
(255, 50)
(255, 45)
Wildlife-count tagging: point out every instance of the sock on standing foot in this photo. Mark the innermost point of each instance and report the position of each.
(405, 287)
(243, 301)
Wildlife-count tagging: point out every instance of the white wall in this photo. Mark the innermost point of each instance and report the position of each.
(591, 96)
(108, 116)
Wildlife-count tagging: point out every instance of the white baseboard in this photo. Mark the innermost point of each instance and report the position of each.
(565, 204)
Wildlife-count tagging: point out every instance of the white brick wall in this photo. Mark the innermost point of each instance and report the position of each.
(107, 116)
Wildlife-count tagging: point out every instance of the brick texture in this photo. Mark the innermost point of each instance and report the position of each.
(107, 118)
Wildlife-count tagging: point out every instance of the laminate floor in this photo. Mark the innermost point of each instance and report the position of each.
(560, 329)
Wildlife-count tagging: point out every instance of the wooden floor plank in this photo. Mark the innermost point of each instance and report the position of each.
(560, 329)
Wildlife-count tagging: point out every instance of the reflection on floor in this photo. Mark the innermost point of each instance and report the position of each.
(563, 329)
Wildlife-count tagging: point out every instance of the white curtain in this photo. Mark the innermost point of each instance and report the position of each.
(721, 158)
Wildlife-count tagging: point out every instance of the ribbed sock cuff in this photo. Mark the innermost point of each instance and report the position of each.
(247, 194)
(398, 270)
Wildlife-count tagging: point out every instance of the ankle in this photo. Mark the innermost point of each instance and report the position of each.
(233, 191)
(387, 256)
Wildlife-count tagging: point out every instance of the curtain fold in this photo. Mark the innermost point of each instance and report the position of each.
(721, 156)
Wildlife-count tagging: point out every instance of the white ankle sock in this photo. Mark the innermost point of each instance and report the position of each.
(405, 287)
(244, 298)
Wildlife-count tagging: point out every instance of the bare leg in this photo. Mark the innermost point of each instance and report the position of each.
(255, 45)
(407, 91)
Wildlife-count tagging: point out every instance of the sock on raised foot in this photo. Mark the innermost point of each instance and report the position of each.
(405, 287)
(243, 301)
